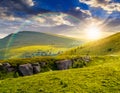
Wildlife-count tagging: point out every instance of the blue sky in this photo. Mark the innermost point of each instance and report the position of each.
(59, 5)
(48, 15)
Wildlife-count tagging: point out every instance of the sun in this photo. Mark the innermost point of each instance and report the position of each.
(93, 32)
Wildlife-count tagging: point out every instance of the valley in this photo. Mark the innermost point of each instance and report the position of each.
(88, 67)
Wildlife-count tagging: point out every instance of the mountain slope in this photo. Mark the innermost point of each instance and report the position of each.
(27, 38)
(104, 78)
(31, 44)
(106, 46)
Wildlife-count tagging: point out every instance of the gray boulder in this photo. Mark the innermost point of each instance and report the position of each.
(36, 68)
(25, 69)
(7, 67)
(64, 64)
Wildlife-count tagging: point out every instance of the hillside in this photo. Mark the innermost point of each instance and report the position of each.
(27, 38)
(102, 78)
(31, 44)
(106, 46)
(30, 51)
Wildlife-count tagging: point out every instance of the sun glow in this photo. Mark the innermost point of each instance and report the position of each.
(93, 32)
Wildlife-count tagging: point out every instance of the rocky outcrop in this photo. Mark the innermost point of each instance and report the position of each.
(36, 68)
(64, 64)
(7, 67)
(25, 69)
(22, 70)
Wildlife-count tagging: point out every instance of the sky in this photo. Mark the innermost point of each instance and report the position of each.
(65, 17)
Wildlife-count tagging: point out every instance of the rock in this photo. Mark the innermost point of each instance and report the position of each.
(36, 68)
(25, 70)
(7, 67)
(11, 69)
(64, 64)
(42, 64)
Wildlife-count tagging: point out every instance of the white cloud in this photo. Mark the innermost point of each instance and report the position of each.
(77, 8)
(40, 19)
(59, 19)
(3, 35)
(28, 2)
(53, 19)
(83, 11)
(107, 5)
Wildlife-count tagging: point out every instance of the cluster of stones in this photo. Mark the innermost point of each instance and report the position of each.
(34, 68)
(22, 70)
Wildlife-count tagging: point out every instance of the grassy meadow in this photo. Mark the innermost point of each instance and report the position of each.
(100, 76)
(31, 51)
(106, 46)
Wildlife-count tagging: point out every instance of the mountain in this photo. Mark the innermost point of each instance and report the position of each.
(106, 46)
(27, 38)
(28, 44)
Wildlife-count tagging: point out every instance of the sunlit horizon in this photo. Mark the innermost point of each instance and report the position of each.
(93, 32)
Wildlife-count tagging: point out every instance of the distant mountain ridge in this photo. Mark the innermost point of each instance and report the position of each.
(28, 38)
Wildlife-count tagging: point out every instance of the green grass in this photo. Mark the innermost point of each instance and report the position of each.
(30, 51)
(100, 75)
(106, 46)
(100, 78)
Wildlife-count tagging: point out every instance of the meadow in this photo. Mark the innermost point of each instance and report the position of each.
(30, 51)
(105, 46)
(100, 76)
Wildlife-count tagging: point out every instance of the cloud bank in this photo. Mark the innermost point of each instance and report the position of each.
(40, 15)
(108, 5)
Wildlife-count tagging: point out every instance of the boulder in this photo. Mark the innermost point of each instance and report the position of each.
(10, 69)
(42, 64)
(7, 67)
(64, 64)
(25, 69)
(36, 68)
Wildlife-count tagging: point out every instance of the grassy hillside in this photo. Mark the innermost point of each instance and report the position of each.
(101, 78)
(30, 51)
(106, 46)
(27, 38)
(30, 44)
